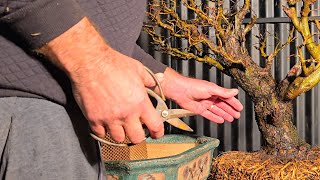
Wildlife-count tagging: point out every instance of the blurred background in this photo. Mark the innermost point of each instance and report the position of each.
(243, 134)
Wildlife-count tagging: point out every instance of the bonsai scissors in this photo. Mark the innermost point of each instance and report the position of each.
(170, 116)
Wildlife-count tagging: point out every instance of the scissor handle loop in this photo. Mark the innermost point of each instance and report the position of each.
(158, 84)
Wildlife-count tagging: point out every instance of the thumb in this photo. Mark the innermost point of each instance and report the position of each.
(147, 79)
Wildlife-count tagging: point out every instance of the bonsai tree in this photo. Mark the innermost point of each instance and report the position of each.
(284, 154)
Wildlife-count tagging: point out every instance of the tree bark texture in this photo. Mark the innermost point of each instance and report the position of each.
(273, 112)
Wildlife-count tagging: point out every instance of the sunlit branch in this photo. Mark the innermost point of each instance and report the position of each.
(165, 47)
(189, 30)
(241, 14)
(316, 21)
(249, 26)
(303, 27)
(263, 46)
(310, 77)
(279, 47)
(205, 19)
(303, 84)
(306, 70)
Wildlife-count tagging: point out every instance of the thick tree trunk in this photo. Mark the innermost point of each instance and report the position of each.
(275, 124)
(273, 113)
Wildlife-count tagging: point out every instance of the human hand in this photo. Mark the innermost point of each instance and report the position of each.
(207, 99)
(108, 86)
(113, 97)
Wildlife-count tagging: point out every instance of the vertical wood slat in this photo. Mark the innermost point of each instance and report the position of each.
(243, 134)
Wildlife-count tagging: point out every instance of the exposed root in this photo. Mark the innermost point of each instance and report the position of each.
(261, 166)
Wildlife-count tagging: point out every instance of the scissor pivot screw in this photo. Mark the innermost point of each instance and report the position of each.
(164, 113)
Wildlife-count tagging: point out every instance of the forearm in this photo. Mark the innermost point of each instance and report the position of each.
(79, 47)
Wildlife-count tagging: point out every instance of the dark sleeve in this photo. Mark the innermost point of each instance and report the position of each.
(147, 60)
(36, 22)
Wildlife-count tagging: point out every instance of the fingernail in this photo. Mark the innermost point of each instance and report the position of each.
(237, 116)
(235, 91)
(230, 119)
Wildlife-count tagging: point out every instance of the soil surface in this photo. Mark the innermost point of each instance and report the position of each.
(260, 166)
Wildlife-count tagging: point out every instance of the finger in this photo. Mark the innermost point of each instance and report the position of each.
(219, 112)
(202, 109)
(212, 117)
(234, 102)
(134, 130)
(116, 132)
(227, 108)
(222, 92)
(147, 79)
(152, 120)
(98, 130)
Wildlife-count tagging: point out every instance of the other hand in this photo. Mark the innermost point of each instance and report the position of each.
(207, 99)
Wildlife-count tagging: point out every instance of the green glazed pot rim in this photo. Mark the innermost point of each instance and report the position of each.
(205, 144)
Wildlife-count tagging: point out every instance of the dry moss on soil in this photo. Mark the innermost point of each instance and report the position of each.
(261, 166)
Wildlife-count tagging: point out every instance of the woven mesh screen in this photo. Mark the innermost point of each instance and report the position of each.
(116, 153)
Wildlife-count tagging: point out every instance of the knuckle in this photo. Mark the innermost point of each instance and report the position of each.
(158, 134)
(199, 109)
(118, 139)
(117, 136)
(98, 131)
(157, 127)
(226, 116)
(137, 140)
(91, 116)
(135, 133)
(96, 118)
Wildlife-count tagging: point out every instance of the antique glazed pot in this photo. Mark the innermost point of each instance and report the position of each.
(170, 157)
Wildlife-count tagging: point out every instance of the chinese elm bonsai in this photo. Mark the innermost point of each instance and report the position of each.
(284, 154)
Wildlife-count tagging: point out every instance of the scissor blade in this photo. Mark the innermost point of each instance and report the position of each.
(179, 113)
(176, 122)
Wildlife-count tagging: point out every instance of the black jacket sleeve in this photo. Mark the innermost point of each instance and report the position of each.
(147, 60)
(36, 22)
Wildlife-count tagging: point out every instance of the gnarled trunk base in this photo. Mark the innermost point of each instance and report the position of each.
(260, 166)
